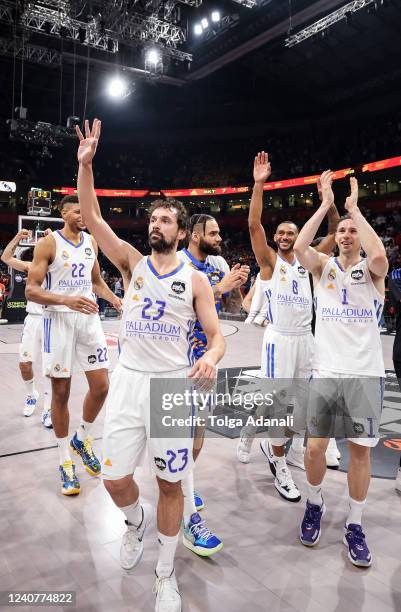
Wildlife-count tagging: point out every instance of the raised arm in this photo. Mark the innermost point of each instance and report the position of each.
(205, 310)
(8, 256)
(265, 255)
(123, 255)
(370, 241)
(328, 243)
(307, 255)
(42, 256)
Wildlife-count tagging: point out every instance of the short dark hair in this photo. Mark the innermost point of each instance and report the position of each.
(288, 223)
(343, 218)
(172, 204)
(68, 199)
(198, 219)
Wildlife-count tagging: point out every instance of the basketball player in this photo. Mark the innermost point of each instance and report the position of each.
(204, 254)
(348, 362)
(288, 341)
(67, 259)
(31, 340)
(163, 295)
(255, 304)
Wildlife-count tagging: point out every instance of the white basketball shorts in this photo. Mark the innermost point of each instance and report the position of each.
(345, 406)
(129, 427)
(31, 339)
(71, 339)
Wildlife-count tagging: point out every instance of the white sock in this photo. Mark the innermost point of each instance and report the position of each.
(187, 486)
(63, 449)
(355, 511)
(314, 494)
(29, 386)
(297, 443)
(83, 430)
(167, 548)
(47, 395)
(133, 513)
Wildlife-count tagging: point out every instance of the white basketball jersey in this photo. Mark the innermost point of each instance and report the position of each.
(348, 308)
(289, 298)
(71, 271)
(156, 333)
(34, 308)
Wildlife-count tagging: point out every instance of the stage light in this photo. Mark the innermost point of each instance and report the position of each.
(198, 29)
(117, 88)
(152, 57)
(215, 16)
(204, 23)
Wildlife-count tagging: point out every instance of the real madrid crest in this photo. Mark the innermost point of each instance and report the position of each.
(138, 283)
(332, 274)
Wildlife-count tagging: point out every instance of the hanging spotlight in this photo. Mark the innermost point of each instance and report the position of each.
(117, 88)
(198, 29)
(215, 16)
(204, 23)
(152, 57)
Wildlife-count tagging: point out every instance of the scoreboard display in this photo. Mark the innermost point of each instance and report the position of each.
(39, 201)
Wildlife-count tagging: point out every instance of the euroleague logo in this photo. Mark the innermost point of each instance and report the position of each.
(160, 463)
(357, 274)
(301, 270)
(178, 287)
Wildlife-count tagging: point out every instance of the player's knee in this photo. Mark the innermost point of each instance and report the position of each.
(61, 391)
(315, 448)
(116, 487)
(100, 390)
(26, 369)
(169, 489)
(358, 452)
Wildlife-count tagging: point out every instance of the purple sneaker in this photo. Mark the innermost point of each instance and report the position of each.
(310, 527)
(358, 551)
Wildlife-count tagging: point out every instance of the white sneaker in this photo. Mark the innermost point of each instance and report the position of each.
(168, 598)
(332, 455)
(132, 543)
(46, 418)
(30, 404)
(296, 457)
(244, 449)
(398, 480)
(284, 482)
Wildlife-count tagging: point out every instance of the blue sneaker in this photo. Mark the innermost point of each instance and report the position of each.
(310, 531)
(30, 404)
(69, 482)
(199, 504)
(84, 450)
(46, 419)
(199, 539)
(358, 551)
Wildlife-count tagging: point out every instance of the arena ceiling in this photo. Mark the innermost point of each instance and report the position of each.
(237, 73)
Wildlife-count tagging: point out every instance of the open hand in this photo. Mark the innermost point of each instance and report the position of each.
(88, 145)
(351, 203)
(326, 181)
(261, 168)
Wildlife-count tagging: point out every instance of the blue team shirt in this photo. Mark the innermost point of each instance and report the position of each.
(215, 276)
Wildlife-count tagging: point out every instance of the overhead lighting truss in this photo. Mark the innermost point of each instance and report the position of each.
(26, 51)
(53, 18)
(323, 24)
(39, 132)
(56, 21)
(247, 3)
